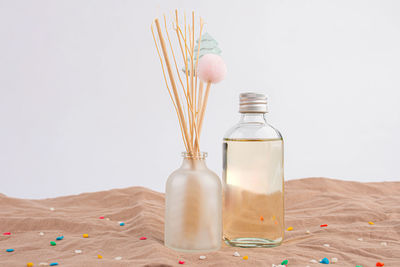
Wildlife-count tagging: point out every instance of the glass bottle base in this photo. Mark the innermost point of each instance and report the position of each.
(252, 242)
(193, 250)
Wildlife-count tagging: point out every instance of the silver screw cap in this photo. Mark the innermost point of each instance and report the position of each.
(253, 103)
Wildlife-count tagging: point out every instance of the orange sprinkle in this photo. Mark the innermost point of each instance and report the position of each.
(261, 218)
(276, 222)
(99, 256)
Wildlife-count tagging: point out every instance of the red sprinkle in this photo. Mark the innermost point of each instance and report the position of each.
(102, 217)
(324, 225)
(143, 238)
(7, 233)
(380, 263)
(182, 262)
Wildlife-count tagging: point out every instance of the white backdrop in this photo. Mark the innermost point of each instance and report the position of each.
(83, 106)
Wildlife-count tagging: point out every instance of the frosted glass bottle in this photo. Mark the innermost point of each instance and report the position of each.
(253, 183)
(193, 207)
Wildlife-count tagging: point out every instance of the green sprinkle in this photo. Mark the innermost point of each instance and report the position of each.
(53, 243)
(358, 265)
(285, 262)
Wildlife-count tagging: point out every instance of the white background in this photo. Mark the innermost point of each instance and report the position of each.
(83, 106)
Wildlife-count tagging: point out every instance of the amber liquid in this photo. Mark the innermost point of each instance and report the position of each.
(253, 211)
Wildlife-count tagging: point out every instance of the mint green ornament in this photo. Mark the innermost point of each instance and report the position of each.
(208, 45)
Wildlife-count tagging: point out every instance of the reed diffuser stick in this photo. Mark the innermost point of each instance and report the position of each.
(203, 107)
(169, 91)
(173, 85)
(200, 100)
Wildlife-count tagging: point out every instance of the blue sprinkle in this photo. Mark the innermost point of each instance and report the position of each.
(60, 238)
(122, 224)
(10, 250)
(53, 264)
(324, 261)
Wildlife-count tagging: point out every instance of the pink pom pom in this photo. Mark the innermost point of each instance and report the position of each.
(211, 68)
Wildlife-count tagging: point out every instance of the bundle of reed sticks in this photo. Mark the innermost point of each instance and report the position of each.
(185, 90)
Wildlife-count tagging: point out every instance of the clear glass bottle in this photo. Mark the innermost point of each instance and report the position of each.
(193, 207)
(253, 184)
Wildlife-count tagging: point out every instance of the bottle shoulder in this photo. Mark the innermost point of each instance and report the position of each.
(253, 131)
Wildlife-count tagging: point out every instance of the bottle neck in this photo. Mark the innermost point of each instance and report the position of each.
(253, 118)
(194, 160)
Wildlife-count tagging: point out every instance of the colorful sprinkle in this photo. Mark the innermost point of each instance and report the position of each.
(380, 263)
(334, 260)
(236, 254)
(53, 264)
(261, 218)
(41, 233)
(202, 257)
(313, 261)
(10, 250)
(85, 235)
(121, 224)
(181, 262)
(371, 223)
(245, 257)
(60, 237)
(99, 256)
(78, 251)
(29, 264)
(324, 261)
(7, 233)
(143, 238)
(326, 245)
(52, 243)
(101, 217)
(43, 264)
(285, 262)
(118, 258)
(289, 228)
(323, 225)
(358, 265)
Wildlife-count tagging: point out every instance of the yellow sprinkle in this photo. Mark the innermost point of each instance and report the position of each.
(289, 228)
(371, 223)
(29, 264)
(99, 256)
(85, 235)
(246, 257)
(273, 217)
